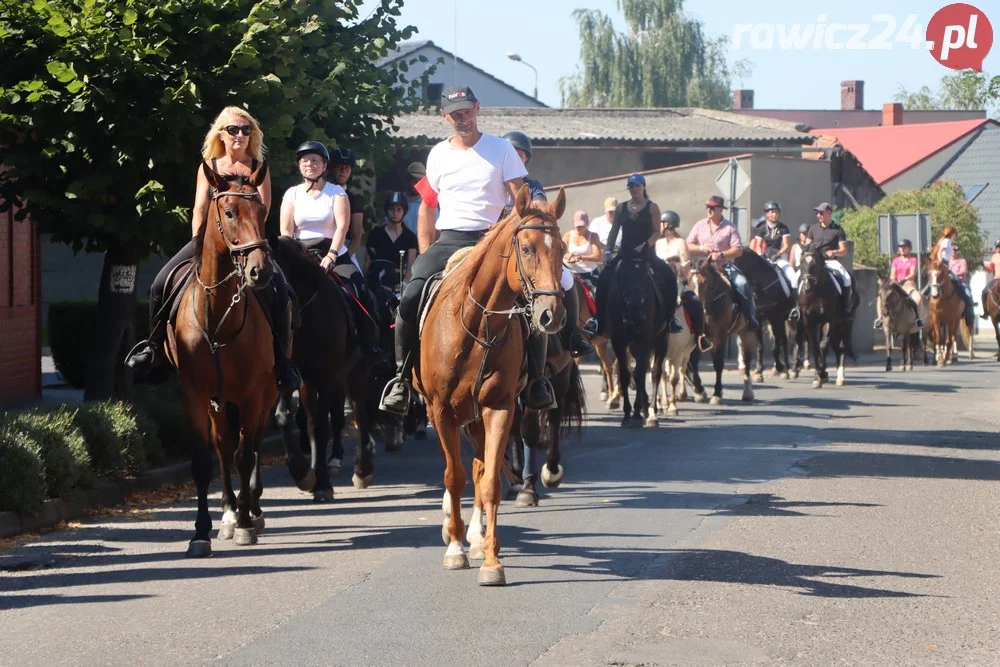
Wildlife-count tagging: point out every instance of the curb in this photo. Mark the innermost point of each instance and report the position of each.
(56, 510)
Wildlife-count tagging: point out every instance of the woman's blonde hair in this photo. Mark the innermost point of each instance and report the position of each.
(213, 146)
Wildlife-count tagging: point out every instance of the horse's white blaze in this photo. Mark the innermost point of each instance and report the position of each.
(229, 516)
(474, 534)
(548, 241)
(446, 504)
(455, 548)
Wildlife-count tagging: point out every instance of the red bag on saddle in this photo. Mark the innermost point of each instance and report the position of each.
(757, 245)
(587, 295)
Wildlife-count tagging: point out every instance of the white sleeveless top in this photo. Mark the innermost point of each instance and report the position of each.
(581, 266)
(313, 212)
(667, 250)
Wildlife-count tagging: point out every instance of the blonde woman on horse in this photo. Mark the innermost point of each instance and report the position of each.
(317, 213)
(472, 174)
(944, 250)
(903, 270)
(234, 149)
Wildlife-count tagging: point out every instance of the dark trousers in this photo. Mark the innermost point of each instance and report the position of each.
(185, 254)
(430, 262)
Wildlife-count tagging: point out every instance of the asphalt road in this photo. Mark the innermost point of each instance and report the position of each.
(857, 524)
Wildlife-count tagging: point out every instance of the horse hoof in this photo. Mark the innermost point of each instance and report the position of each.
(840, 382)
(199, 549)
(323, 496)
(652, 421)
(550, 479)
(786, 375)
(603, 396)
(795, 375)
(476, 552)
(940, 364)
(513, 491)
(334, 467)
(391, 446)
(526, 499)
(716, 400)
(817, 384)
(258, 524)
(747, 397)
(700, 398)
(456, 562)
(758, 377)
(492, 576)
(614, 404)
(244, 537)
(226, 531)
(308, 481)
(671, 411)
(362, 482)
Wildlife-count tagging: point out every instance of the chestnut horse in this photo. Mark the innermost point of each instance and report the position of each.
(471, 364)
(946, 314)
(222, 347)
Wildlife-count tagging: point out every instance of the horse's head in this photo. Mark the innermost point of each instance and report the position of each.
(538, 251)
(813, 269)
(635, 295)
(681, 271)
(236, 222)
(890, 297)
(938, 275)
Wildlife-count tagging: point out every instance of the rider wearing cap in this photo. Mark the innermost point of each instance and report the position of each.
(637, 220)
(540, 395)
(829, 238)
(392, 241)
(719, 240)
(471, 173)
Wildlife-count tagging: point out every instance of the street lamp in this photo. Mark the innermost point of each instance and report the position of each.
(517, 58)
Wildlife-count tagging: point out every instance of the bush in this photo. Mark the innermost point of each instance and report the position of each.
(944, 200)
(22, 474)
(60, 443)
(71, 332)
(119, 442)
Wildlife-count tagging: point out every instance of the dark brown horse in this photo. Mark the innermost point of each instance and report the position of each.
(822, 316)
(991, 305)
(222, 347)
(333, 370)
(471, 364)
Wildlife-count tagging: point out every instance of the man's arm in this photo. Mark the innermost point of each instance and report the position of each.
(426, 232)
(513, 185)
(692, 240)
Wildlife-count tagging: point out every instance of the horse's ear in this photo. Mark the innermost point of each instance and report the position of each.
(558, 207)
(522, 200)
(258, 176)
(214, 179)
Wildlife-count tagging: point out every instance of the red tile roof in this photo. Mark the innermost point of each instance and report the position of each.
(887, 151)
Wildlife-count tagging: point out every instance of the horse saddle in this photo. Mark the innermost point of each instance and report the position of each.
(782, 278)
(588, 294)
(177, 281)
(837, 281)
(433, 284)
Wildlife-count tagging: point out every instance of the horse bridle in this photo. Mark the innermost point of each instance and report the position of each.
(528, 287)
(237, 249)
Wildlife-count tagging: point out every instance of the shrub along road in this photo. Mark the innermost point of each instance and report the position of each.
(852, 524)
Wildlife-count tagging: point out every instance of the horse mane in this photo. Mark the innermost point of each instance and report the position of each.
(461, 279)
(301, 263)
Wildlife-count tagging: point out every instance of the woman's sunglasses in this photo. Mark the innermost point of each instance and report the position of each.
(236, 129)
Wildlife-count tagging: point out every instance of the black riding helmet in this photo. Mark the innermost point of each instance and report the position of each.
(519, 140)
(342, 156)
(671, 218)
(772, 206)
(396, 199)
(804, 228)
(314, 148)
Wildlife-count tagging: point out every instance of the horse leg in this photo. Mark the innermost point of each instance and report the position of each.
(719, 364)
(365, 407)
(221, 437)
(552, 470)
(659, 353)
(996, 330)
(337, 425)
(671, 394)
(246, 459)
(256, 479)
(840, 351)
(298, 464)
(758, 348)
(815, 349)
(699, 389)
(747, 379)
(453, 529)
(624, 377)
(201, 472)
(496, 426)
(530, 436)
(315, 401)
(888, 343)
(476, 529)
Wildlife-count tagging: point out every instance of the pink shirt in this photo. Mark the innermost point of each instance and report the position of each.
(906, 267)
(959, 267)
(725, 237)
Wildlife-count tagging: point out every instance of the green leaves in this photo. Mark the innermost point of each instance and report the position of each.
(61, 71)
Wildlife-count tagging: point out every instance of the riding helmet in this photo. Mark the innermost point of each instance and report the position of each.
(519, 140)
(671, 218)
(312, 147)
(997, 244)
(396, 199)
(772, 206)
(804, 228)
(342, 156)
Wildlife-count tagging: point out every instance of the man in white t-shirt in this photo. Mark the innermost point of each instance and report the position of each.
(602, 225)
(472, 174)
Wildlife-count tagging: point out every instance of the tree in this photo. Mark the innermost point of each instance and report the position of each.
(944, 200)
(968, 89)
(104, 105)
(664, 60)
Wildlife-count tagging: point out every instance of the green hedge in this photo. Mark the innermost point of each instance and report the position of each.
(71, 331)
(53, 452)
(161, 403)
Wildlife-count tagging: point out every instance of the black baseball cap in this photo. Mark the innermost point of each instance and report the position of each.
(716, 200)
(457, 97)
(822, 208)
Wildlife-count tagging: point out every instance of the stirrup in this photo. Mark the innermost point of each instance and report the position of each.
(389, 387)
(590, 327)
(705, 343)
(879, 323)
(794, 315)
(920, 323)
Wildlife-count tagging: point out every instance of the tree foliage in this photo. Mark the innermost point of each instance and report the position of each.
(664, 60)
(104, 103)
(944, 200)
(965, 90)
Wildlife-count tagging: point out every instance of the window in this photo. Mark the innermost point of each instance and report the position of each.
(973, 192)
(434, 91)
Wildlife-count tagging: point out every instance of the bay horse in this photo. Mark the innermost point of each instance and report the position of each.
(221, 345)
(471, 364)
(773, 308)
(822, 318)
(899, 320)
(946, 320)
(333, 370)
(721, 319)
(637, 322)
(991, 307)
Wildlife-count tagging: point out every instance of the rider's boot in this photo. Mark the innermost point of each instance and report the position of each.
(367, 330)
(396, 395)
(916, 313)
(578, 345)
(285, 371)
(147, 354)
(747, 306)
(674, 326)
(539, 395)
(848, 297)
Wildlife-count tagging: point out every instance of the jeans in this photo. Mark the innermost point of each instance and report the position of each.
(743, 292)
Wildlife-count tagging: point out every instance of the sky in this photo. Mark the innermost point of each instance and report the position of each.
(545, 35)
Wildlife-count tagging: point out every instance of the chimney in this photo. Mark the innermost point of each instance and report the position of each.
(892, 113)
(852, 95)
(742, 99)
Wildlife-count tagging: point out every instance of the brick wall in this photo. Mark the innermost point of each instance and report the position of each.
(20, 312)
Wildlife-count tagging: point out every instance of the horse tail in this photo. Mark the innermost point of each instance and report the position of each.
(573, 406)
(966, 334)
